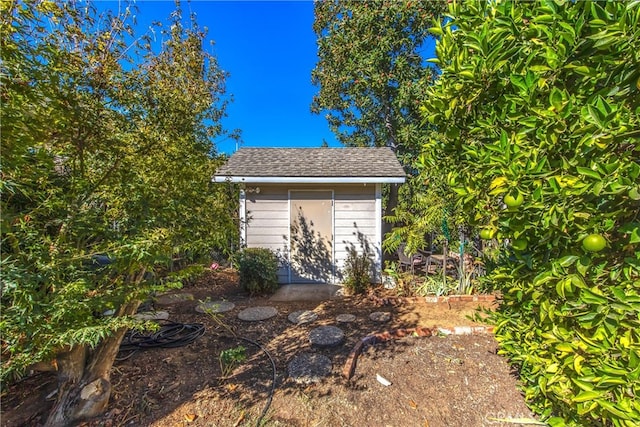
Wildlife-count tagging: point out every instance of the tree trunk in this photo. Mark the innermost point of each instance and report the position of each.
(392, 202)
(83, 378)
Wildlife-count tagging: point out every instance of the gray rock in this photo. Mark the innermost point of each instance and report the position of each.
(380, 316)
(152, 315)
(345, 318)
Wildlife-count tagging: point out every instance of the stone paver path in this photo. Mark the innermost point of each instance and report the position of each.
(380, 316)
(255, 314)
(308, 368)
(326, 336)
(301, 317)
(345, 318)
(215, 307)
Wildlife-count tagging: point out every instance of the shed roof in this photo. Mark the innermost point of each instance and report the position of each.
(306, 165)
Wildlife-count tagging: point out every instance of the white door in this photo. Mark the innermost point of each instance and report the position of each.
(311, 236)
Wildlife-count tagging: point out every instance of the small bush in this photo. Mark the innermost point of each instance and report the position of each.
(403, 281)
(357, 272)
(436, 285)
(258, 269)
(230, 359)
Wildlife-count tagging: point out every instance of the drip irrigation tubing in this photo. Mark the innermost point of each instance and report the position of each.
(170, 335)
(273, 382)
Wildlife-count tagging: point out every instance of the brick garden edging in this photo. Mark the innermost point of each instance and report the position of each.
(350, 365)
(432, 299)
(461, 298)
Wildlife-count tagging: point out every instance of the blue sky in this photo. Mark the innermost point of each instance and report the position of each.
(269, 49)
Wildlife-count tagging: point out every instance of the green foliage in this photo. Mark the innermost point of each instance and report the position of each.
(258, 269)
(216, 316)
(436, 285)
(466, 279)
(369, 70)
(107, 149)
(357, 271)
(408, 284)
(424, 202)
(404, 282)
(541, 99)
(230, 359)
(370, 74)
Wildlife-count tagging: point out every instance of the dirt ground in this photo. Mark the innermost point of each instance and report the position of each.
(435, 381)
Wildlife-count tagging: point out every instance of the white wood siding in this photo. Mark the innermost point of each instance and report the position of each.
(355, 212)
(267, 214)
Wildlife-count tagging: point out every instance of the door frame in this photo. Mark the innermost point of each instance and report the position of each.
(333, 226)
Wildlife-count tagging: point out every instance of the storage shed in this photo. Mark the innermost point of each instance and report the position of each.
(312, 205)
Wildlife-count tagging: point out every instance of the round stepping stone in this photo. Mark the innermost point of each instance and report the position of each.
(345, 318)
(301, 317)
(215, 307)
(380, 316)
(326, 336)
(152, 315)
(308, 368)
(169, 299)
(255, 314)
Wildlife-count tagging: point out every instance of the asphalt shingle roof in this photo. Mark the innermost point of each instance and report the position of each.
(313, 162)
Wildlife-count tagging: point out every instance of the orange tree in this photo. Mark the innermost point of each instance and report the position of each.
(107, 154)
(538, 107)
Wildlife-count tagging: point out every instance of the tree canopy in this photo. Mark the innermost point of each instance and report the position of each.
(372, 73)
(370, 70)
(107, 158)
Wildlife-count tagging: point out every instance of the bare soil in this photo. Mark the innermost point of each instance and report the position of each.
(435, 381)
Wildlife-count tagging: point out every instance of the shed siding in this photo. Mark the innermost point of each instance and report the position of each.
(267, 215)
(268, 223)
(354, 212)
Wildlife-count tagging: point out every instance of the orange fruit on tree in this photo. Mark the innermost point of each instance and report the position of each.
(512, 201)
(487, 233)
(594, 242)
(519, 244)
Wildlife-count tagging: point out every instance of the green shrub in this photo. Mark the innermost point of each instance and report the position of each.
(436, 285)
(403, 281)
(357, 271)
(230, 359)
(258, 269)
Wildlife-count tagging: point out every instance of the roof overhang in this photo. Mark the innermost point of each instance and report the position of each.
(310, 179)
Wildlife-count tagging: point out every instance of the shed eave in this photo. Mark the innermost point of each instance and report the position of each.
(310, 179)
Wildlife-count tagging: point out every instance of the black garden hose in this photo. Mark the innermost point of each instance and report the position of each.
(170, 335)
